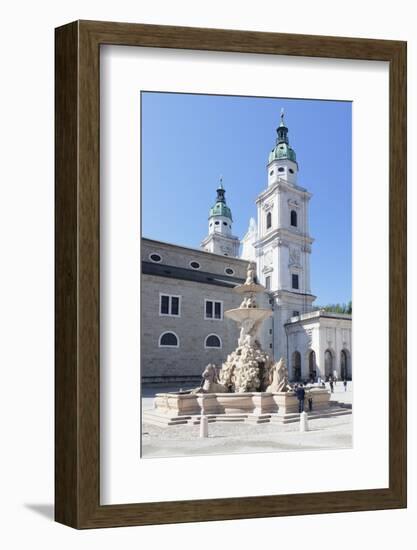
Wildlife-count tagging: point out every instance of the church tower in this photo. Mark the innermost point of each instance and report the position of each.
(220, 239)
(283, 244)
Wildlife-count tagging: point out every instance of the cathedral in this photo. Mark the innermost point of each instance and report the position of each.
(185, 291)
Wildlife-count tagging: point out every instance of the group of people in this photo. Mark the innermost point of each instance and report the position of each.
(302, 391)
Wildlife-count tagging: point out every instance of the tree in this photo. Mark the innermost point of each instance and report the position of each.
(338, 308)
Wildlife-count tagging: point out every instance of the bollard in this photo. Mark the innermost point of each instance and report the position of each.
(203, 426)
(303, 422)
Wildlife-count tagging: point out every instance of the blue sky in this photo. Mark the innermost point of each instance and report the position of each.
(188, 141)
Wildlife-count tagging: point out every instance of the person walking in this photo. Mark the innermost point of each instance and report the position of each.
(300, 393)
(345, 384)
(331, 385)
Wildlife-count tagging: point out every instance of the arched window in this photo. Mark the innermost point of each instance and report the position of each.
(293, 218)
(268, 220)
(169, 340)
(213, 341)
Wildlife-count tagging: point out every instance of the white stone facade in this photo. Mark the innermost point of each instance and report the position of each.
(319, 344)
(283, 247)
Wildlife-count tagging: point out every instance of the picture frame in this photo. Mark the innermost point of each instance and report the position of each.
(77, 269)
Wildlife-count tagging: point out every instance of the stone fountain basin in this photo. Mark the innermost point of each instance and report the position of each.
(242, 314)
(254, 403)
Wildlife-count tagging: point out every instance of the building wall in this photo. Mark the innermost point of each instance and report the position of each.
(191, 328)
(319, 332)
(186, 362)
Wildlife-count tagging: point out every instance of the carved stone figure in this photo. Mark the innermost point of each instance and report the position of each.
(247, 369)
(248, 331)
(251, 274)
(248, 302)
(279, 378)
(210, 381)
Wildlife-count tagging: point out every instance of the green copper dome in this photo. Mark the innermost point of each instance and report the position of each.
(220, 208)
(282, 149)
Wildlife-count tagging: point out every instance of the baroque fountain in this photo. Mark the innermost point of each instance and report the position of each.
(249, 386)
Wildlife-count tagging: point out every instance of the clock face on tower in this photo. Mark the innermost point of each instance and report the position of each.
(226, 249)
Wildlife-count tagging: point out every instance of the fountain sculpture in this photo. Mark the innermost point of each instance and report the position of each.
(248, 386)
(248, 368)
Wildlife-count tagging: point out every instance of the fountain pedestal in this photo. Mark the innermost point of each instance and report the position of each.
(171, 409)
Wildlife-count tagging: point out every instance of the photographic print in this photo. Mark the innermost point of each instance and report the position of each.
(246, 274)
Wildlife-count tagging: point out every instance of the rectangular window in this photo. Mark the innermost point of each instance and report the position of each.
(175, 305)
(214, 310)
(217, 310)
(268, 283)
(209, 309)
(295, 281)
(165, 305)
(295, 313)
(169, 305)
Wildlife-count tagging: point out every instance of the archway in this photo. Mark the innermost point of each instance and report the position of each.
(328, 363)
(344, 365)
(296, 366)
(312, 365)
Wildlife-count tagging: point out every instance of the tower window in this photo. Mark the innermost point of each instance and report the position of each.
(225, 223)
(295, 281)
(280, 169)
(295, 313)
(291, 171)
(268, 220)
(169, 340)
(271, 172)
(216, 223)
(213, 310)
(229, 271)
(195, 265)
(169, 305)
(212, 341)
(293, 218)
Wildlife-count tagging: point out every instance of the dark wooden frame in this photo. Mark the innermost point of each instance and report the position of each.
(77, 274)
